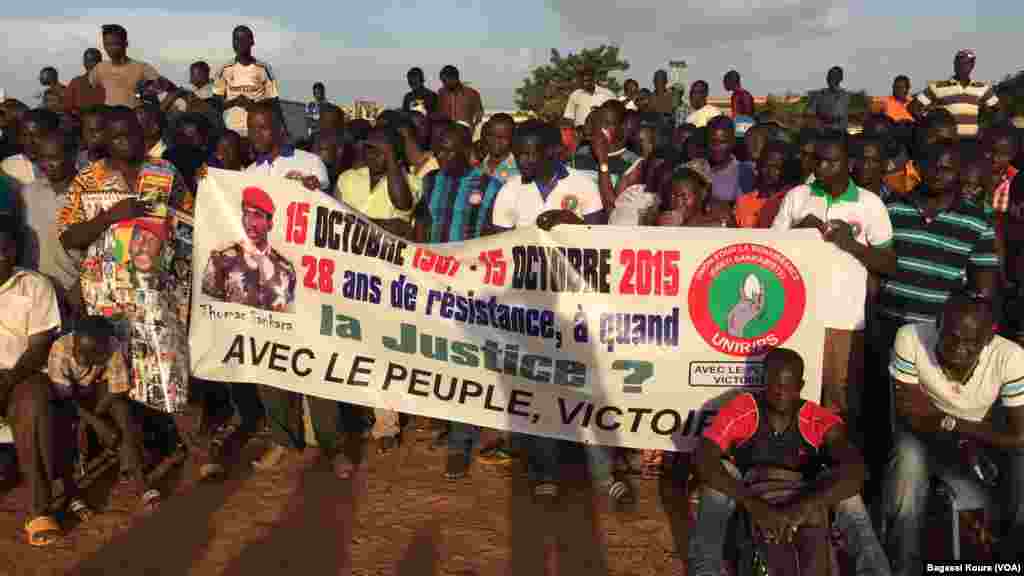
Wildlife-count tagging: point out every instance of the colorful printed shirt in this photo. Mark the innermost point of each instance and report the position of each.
(125, 276)
(66, 372)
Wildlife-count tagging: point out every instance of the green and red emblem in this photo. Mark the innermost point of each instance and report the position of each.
(746, 299)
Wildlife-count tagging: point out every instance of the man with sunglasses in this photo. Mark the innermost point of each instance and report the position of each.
(946, 378)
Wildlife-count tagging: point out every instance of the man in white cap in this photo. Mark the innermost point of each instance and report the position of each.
(960, 95)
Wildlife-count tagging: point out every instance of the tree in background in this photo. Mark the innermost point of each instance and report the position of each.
(1011, 94)
(547, 89)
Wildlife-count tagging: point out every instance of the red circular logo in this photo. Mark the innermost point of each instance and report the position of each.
(746, 299)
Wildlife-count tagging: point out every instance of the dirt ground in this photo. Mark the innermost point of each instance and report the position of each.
(398, 516)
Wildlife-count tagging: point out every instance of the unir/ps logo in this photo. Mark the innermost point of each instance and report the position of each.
(746, 299)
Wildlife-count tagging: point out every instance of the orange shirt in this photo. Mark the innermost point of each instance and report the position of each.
(900, 183)
(896, 109)
(754, 211)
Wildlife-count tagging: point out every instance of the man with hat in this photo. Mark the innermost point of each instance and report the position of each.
(960, 95)
(251, 272)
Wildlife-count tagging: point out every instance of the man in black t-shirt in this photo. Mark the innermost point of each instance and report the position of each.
(419, 97)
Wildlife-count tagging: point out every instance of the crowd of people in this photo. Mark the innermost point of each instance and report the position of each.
(924, 312)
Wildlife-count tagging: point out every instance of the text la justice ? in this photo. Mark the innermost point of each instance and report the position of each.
(491, 356)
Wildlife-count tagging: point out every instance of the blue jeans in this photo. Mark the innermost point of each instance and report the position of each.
(463, 437)
(915, 459)
(707, 541)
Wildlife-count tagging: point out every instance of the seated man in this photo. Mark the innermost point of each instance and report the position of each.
(776, 440)
(30, 317)
(87, 368)
(946, 379)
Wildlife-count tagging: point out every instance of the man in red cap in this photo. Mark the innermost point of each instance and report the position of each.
(963, 97)
(251, 272)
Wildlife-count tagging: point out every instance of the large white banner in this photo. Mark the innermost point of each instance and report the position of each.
(618, 336)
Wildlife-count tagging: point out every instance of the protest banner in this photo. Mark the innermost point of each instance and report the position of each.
(612, 335)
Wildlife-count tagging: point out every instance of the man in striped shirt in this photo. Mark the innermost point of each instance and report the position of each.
(960, 95)
(941, 243)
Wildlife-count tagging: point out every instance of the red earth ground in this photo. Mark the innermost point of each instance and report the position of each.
(398, 516)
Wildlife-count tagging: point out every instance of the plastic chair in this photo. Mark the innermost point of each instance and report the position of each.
(955, 488)
(960, 493)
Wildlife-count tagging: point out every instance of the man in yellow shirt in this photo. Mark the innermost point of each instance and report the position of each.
(387, 194)
(383, 190)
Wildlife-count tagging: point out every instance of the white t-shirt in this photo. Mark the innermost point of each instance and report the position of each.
(999, 374)
(582, 102)
(842, 306)
(293, 164)
(28, 306)
(41, 249)
(518, 204)
(700, 118)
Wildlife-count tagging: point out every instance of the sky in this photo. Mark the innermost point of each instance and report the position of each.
(362, 50)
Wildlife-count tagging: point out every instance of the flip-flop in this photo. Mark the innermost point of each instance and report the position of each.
(42, 531)
(272, 459)
(211, 472)
(81, 510)
(151, 499)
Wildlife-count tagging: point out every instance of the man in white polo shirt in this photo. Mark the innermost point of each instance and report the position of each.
(583, 100)
(856, 223)
(547, 194)
(545, 187)
(275, 157)
(947, 378)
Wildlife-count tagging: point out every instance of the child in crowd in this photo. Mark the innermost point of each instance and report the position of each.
(976, 178)
(757, 208)
(88, 369)
(1000, 148)
(686, 197)
(868, 159)
(227, 152)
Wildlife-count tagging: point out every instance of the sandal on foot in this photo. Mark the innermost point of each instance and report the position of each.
(81, 510)
(457, 466)
(42, 531)
(546, 491)
(343, 467)
(497, 456)
(620, 493)
(271, 459)
(151, 499)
